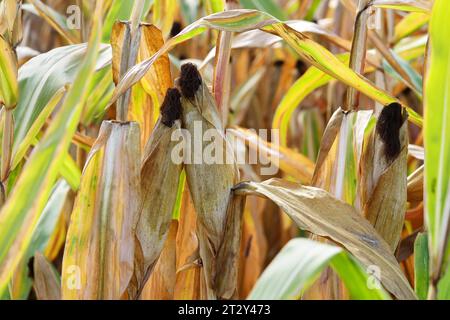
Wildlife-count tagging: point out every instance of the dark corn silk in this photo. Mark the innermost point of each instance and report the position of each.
(171, 107)
(190, 80)
(176, 29)
(388, 128)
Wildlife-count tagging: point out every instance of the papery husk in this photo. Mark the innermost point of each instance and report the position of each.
(159, 182)
(210, 186)
(99, 252)
(383, 186)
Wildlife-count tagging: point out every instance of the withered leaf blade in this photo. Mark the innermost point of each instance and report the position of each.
(99, 253)
(46, 280)
(158, 79)
(210, 176)
(318, 212)
(383, 180)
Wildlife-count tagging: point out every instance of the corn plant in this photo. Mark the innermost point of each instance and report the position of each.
(224, 149)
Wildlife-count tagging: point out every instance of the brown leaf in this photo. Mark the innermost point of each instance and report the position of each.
(383, 184)
(318, 212)
(321, 170)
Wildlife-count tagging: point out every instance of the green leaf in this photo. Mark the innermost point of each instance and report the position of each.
(20, 213)
(421, 265)
(19, 150)
(437, 139)
(415, 77)
(8, 75)
(404, 5)
(444, 286)
(300, 262)
(42, 77)
(120, 10)
(409, 24)
(312, 79)
(179, 201)
(268, 6)
(41, 236)
(214, 6)
(71, 172)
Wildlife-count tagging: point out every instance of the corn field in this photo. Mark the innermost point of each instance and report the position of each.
(224, 150)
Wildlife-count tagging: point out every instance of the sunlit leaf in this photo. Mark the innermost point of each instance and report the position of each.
(436, 137)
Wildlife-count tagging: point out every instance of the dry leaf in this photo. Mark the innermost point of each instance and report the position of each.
(318, 212)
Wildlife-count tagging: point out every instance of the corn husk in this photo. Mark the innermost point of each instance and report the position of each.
(210, 186)
(159, 181)
(384, 186)
(99, 253)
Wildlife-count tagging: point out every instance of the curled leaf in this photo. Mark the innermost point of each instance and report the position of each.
(318, 212)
